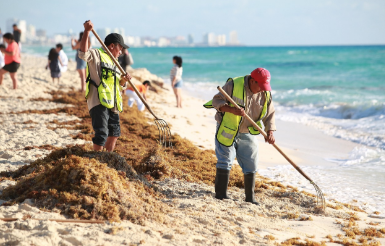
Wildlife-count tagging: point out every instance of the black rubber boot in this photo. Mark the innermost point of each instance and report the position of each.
(221, 182)
(249, 188)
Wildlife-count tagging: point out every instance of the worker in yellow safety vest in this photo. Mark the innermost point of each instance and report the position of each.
(103, 88)
(235, 136)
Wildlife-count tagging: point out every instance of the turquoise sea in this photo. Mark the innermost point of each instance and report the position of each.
(339, 90)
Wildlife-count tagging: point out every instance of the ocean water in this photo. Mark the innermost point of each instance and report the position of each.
(338, 90)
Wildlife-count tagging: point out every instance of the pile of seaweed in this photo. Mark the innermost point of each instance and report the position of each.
(86, 184)
(138, 144)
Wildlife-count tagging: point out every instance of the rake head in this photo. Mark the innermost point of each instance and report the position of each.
(320, 196)
(164, 133)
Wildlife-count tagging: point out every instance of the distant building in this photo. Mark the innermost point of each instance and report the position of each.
(209, 39)
(94, 41)
(60, 38)
(121, 31)
(9, 24)
(137, 41)
(41, 33)
(234, 38)
(221, 40)
(162, 42)
(22, 25)
(31, 32)
(190, 39)
(179, 41)
(103, 32)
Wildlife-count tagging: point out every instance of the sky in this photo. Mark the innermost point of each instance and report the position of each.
(268, 22)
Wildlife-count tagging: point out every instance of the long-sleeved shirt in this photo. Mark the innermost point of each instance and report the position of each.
(92, 57)
(254, 106)
(176, 72)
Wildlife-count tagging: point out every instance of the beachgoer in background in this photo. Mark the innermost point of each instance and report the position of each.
(176, 79)
(80, 64)
(125, 60)
(11, 59)
(133, 97)
(234, 136)
(104, 83)
(2, 46)
(54, 62)
(63, 58)
(17, 35)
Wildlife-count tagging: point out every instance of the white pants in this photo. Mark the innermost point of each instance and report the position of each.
(132, 97)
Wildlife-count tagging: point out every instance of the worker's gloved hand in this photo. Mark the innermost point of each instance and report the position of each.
(270, 137)
(240, 112)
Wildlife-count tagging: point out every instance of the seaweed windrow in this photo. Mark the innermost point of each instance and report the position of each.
(85, 184)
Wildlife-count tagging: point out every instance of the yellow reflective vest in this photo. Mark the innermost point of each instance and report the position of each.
(108, 89)
(229, 126)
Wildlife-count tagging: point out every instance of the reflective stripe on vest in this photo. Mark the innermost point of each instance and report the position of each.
(109, 92)
(229, 127)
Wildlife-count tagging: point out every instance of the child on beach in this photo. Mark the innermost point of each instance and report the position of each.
(132, 97)
(176, 79)
(53, 64)
(11, 59)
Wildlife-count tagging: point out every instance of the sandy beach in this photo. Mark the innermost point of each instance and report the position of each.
(194, 216)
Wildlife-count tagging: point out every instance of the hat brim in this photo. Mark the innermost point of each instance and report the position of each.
(124, 46)
(265, 87)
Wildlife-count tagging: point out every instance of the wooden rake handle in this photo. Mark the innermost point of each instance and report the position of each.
(264, 134)
(124, 72)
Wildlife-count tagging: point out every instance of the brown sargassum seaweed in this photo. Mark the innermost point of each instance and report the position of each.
(116, 186)
(86, 184)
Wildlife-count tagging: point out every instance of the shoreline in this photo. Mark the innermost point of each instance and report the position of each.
(196, 213)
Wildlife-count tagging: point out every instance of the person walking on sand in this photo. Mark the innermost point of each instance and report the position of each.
(54, 62)
(63, 58)
(80, 64)
(176, 79)
(11, 59)
(235, 136)
(17, 35)
(104, 83)
(132, 97)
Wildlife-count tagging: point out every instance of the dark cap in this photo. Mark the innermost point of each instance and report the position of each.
(113, 38)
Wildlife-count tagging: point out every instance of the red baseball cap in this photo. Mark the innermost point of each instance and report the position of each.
(262, 76)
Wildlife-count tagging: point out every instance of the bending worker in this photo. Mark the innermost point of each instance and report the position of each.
(132, 97)
(103, 85)
(235, 136)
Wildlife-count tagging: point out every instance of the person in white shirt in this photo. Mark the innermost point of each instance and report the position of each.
(63, 57)
(176, 79)
(2, 63)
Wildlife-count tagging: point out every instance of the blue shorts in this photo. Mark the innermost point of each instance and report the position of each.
(245, 148)
(81, 64)
(178, 84)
